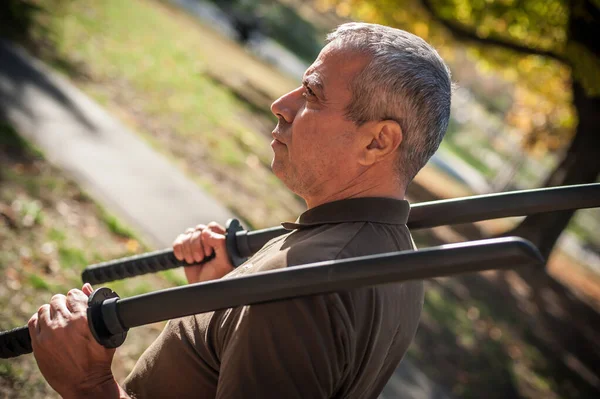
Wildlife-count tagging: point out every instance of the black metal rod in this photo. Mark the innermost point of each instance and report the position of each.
(329, 276)
(501, 205)
(467, 210)
(316, 278)
(423, 215)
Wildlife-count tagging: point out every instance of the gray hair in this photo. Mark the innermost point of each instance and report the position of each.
(407, 81)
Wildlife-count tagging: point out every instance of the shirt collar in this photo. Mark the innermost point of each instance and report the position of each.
(364, 209)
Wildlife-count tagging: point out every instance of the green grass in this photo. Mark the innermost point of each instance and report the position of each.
(178, 85)
(134, 41)
(48, 234)
(115, 225)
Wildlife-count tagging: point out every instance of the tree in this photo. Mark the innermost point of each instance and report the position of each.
(550, 47)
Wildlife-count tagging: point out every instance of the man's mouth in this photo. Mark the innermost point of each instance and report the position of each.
(277, 137)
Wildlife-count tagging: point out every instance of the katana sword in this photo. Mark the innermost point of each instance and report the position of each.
(242, 244)
(110, 317)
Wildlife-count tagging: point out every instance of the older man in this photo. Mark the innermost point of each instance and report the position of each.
(371, 111)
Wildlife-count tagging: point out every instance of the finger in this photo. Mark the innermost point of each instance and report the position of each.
(208, 245)
(33, 325)
(217, 228)
(77, 300)
(87, 289)
(200, 227)
(43, 316)
(213, 242)
(197, 247)
(58, 307)
(178, 247)
(187, 248)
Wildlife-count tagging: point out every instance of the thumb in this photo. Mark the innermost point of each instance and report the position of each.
(87, 289)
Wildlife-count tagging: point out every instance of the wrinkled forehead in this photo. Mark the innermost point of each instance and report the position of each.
(335, 68)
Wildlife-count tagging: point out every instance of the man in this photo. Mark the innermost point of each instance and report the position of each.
(371, 111)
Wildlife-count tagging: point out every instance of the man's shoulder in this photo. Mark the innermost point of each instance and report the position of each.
(377, 238)
(329, 242)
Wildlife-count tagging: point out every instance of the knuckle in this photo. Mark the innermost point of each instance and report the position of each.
(57, 298)
(73, 292)
(196, 236)
(79, 318)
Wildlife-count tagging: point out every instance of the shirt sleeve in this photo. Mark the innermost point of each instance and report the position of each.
(289, 349)
(172, 366)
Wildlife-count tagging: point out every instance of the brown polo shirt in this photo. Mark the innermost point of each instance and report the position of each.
(341, 345)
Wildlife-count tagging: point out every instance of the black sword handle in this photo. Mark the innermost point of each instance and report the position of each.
(136, 265)
(105, 329)
(15, 342)
(153, 262)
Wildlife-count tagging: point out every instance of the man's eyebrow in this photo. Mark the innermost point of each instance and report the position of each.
(314, 82)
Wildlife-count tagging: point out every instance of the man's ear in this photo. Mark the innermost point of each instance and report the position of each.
(382, 139)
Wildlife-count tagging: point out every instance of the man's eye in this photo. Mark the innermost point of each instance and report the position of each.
(308, 93)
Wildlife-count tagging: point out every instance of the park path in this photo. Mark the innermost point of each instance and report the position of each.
(110, 162)
(122, 172)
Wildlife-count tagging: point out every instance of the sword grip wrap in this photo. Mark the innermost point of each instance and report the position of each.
(15, 342)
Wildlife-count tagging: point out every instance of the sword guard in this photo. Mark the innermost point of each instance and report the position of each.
(103, 320)
(233, 226)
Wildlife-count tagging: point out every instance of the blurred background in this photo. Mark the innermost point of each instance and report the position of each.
(194, 79)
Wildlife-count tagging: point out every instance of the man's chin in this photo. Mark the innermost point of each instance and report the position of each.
(279, 170)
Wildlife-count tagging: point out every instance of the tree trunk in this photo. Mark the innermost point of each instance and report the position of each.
(581, 163)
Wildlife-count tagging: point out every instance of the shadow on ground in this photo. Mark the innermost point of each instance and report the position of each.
(24, 78)
(509, 334)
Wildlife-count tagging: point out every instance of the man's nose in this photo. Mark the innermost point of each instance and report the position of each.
(287, 106)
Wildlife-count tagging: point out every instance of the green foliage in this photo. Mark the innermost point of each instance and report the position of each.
(72, 258)
(115, 226)
(528, 43)
(539, 24)
(56, 235)
(38, 283)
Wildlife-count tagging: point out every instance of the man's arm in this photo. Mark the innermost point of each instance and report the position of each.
(68, 356)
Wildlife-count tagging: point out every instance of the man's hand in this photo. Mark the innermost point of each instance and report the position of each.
(197, 243)
(68, 356)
